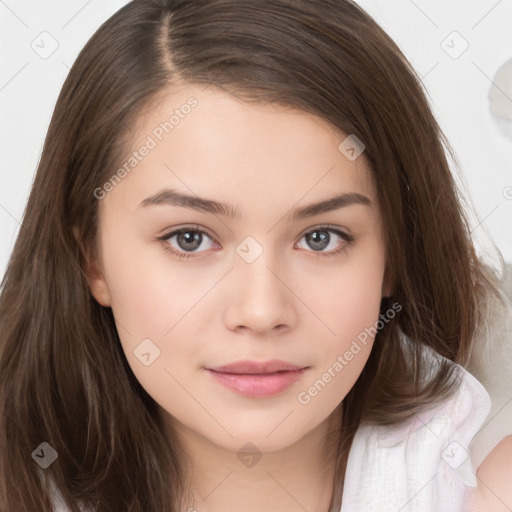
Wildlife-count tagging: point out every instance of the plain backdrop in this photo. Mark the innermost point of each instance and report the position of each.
(39, 42)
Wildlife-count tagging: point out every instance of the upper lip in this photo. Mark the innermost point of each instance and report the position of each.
(253, 367)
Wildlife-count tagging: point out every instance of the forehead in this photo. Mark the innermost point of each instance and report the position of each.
(206, 141)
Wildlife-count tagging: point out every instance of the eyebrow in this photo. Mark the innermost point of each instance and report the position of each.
(172, 197)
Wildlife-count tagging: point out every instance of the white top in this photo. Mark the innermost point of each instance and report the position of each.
(424, 465)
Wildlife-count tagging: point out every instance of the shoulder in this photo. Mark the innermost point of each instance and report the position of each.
(494, 492)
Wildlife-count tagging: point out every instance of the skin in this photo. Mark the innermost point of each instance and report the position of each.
(215, 308)
(493, 492)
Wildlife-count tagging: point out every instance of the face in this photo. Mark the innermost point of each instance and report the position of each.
(193, 289)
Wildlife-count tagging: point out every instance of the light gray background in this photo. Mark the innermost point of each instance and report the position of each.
(458, 88)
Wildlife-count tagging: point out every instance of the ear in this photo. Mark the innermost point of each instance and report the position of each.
(97, 283)
(387, 284)
(93, 274)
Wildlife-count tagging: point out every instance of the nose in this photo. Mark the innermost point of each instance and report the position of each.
(260, 298)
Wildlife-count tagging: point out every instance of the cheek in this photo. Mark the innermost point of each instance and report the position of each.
(159, 310)
(350, 299)
(153, 306)
(148, 296)
(350, 306)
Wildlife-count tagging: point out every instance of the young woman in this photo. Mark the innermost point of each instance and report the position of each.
(244, 279)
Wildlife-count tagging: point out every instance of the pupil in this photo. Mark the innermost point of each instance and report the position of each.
(319, 239)
(190, 237)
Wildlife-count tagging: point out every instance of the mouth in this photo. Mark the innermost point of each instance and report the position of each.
(253, 379)
(257, 368)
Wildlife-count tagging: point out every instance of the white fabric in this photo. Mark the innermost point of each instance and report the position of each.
(491, 364)
(409, 468)
(424, 465)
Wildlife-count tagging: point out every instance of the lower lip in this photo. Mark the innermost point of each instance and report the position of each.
(258, 385)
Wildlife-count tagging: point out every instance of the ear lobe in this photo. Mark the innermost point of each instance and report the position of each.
(97, 283)
(387, 284)
(93, 274)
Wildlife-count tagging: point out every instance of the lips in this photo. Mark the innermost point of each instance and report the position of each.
(257, 368)
(257, 379)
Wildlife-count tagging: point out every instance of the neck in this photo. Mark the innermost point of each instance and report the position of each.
(296, 477)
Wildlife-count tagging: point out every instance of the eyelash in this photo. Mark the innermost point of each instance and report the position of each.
(349, 239)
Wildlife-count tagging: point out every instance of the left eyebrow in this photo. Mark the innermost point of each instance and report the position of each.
(172, 197)
(334, 203)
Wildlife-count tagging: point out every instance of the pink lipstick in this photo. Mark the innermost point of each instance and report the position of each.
(258, 379)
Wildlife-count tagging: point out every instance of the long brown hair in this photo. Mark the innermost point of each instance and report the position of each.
(64, 379)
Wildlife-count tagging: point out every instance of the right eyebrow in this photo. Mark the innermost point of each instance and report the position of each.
(172, 197)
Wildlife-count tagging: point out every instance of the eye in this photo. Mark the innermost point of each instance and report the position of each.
(320, 238)
(187, 239)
